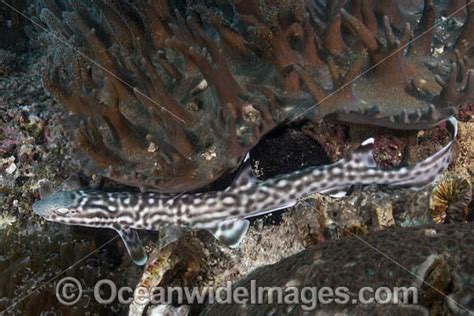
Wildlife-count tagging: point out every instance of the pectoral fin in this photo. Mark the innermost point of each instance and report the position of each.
(338, 192)
(230, 232)
(133, 244)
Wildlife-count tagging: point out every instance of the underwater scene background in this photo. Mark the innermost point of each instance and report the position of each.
(175, 96)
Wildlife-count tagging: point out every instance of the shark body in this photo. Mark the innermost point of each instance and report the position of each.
(224, 213)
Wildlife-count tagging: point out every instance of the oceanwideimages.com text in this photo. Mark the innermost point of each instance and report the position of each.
(69, 291)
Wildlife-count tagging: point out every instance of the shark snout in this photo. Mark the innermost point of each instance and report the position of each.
(41, 208)
(58, 202)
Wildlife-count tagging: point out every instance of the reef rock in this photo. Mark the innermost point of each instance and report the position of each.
(438, 264)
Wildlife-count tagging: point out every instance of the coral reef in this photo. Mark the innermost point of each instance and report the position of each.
(440, 256)
(181, 258)
(31, 140)
(30, 258)
(8, 63)
(171, 97)
(188, 59)
(285, 151)
(333, 137)
(33, 147)
(450, 199)
(309, 223)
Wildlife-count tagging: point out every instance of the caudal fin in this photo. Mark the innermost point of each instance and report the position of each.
(361, 168)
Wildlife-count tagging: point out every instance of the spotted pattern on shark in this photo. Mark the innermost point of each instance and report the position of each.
(224, 213)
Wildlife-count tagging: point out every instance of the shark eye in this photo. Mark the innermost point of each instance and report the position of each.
(62, 211)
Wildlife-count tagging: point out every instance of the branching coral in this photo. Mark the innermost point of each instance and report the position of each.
(171, 96)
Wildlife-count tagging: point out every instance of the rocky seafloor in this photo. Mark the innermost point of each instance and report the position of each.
(34, 254)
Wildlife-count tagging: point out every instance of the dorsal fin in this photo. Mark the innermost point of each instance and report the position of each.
(245, 177)
(364, 154)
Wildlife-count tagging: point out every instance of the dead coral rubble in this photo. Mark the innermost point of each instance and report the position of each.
(171, 97)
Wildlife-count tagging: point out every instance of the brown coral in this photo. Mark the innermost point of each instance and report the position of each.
(171, 97)
(450, 199)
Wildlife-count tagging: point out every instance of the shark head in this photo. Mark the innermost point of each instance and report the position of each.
(58, 207)
(93, 209)
(79, 208)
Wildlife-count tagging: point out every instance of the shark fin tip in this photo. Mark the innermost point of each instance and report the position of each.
(368, 141)
(133, 244)
(231, 232)
(141, 261)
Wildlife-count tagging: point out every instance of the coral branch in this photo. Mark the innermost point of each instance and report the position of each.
(172, 95)
(425, 30)
(465, 40)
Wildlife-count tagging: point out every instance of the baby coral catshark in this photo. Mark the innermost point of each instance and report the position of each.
(224, 213)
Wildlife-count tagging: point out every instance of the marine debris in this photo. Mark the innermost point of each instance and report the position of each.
(171, 96)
